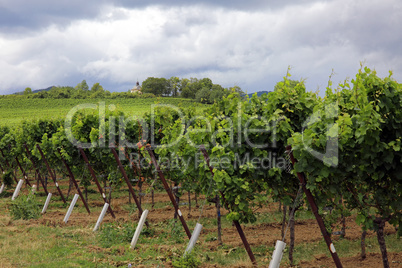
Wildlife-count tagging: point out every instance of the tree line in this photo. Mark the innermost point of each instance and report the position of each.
(202, 90)
(80, 91)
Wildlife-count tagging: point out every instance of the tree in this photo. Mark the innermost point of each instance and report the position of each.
(156, 86)
(174, 85)
(203, 95)
(79, 94)
(217, 93)
(40, 95)
(191, 88)
(27, 91)
(60, 92)
(97, 87)
(183, 84)
(83, 85)
(206, 82)
(186, 93)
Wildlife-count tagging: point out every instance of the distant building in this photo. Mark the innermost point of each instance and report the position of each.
(136, 89)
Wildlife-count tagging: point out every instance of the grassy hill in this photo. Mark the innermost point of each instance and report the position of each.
(15, 110)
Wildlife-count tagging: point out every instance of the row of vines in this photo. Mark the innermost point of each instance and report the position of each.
(348, 144)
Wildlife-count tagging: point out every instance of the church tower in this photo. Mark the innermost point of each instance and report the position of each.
(136, 89)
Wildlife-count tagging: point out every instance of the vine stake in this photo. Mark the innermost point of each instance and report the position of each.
(74, 181)
(130, 187)
(51, 173)
(23, 172)
(236, 223)
(36, 169)
(314, 208)
(96, 180)
(169, 191)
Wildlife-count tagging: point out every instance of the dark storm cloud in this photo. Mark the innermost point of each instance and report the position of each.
(250, 5)
(20, 16)
(23, 16)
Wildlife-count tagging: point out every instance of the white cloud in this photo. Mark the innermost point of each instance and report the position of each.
(250, 48)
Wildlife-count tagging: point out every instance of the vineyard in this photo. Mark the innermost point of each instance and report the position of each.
(17, 109)
(213, 186)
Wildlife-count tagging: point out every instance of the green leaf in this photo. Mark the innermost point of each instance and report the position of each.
(333, 131)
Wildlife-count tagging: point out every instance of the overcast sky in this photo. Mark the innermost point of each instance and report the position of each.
(244, 43)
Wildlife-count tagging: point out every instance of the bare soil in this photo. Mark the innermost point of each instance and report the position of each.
(306, 231)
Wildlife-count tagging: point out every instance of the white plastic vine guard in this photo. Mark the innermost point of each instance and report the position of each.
(139, 228)
(101, 216)
(194, 238)
(49, 196)
(17, 189)
(277, 255)
(70, 209)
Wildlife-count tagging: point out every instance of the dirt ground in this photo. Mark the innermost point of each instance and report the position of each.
(306, 231)
(373, 260)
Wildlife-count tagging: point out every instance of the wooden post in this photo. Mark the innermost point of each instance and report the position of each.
(314, 208)
(169, 191)
(23, 171)
(51, 173)
(36, 169)
(236, 223)
(96, 180)
(130, 187)
(74, 181)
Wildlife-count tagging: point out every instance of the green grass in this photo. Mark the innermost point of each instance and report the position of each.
(27, 244)
(35, 244)
(345, 247)
(14, 111)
